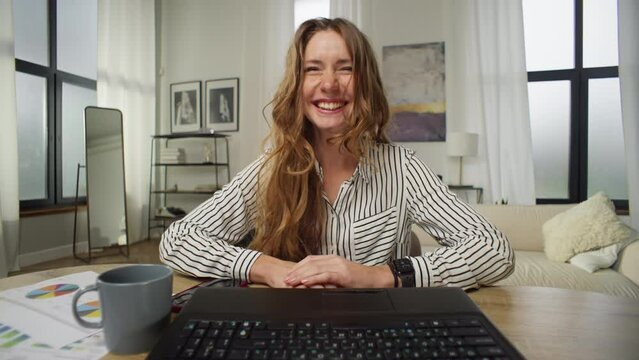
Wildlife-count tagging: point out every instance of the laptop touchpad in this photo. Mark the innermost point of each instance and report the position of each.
(356, 300)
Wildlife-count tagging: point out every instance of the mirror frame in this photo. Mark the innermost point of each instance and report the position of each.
(121, 249)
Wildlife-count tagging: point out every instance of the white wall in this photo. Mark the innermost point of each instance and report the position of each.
(413, 22)
(48, 237)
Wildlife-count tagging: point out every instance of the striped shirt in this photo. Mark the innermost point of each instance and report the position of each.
(368, 223)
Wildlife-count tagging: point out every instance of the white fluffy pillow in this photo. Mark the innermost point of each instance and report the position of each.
(590, 225)
(603, 258)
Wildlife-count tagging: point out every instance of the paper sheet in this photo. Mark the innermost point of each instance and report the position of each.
(36, 321)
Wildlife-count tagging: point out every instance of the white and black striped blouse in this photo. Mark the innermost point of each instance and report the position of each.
(369, 223)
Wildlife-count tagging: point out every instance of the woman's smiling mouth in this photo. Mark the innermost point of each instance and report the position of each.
(329, 105)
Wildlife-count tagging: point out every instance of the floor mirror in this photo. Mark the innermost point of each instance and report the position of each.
(105, 184)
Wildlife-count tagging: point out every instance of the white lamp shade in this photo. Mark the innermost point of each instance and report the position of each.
(461, 144)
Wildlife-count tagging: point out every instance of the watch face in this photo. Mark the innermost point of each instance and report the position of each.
(404, 266)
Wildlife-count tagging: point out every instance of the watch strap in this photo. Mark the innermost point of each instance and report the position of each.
(405, 271)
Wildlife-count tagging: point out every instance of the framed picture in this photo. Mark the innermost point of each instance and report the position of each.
(222, 104)
(415, 79)
(185, 106)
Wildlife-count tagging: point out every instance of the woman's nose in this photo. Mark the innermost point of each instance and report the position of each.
(329, 81)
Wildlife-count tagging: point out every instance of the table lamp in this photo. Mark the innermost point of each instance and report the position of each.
(461, 144)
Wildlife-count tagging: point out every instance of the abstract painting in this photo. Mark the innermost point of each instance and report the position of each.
(414, 78)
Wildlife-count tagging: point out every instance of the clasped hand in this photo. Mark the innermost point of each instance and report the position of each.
(326, 271)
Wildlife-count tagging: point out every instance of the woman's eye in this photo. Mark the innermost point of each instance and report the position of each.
(346, 69)
(311, 69)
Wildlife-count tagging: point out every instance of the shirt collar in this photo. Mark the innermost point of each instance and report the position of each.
(363, 170)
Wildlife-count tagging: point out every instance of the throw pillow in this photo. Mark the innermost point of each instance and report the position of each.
(603, 258)
(590, 225)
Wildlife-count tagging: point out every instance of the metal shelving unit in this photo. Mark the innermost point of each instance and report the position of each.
(158, 188)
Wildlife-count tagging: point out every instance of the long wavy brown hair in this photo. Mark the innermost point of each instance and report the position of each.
(291, 210)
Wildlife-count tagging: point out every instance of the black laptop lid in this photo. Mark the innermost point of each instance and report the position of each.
(318, 303)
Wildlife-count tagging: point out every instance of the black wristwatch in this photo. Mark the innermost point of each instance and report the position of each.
(403, 268)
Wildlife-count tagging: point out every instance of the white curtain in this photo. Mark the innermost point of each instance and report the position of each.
(277, 29)
(9, 194)
(488, 80)
(126, 81)
(357, 11)
(629, 78)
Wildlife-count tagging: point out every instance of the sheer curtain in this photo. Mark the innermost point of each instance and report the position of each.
(9, 194)
(357, 11)
(126, 81)
(277, 29)
(485, 51)
(629, 78)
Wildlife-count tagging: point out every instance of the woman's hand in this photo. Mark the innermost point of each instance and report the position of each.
(270, 271)
(336, 271)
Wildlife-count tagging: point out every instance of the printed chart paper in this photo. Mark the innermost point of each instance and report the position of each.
(41, 313)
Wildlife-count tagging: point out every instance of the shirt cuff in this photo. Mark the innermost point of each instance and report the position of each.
(242, 264)
(424, 276)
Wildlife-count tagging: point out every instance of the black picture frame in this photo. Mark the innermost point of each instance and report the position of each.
(222, 104)
(185, 99)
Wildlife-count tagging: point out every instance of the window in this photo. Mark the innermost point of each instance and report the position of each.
(56, 71)
(574, 97)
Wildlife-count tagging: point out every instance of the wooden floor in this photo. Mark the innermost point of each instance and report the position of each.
(144, 252)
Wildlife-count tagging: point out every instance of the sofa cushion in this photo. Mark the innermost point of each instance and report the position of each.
(628, 263)
(520, 223)
(532, 268)
(590, 225)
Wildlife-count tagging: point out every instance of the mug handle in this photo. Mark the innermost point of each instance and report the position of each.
(81, 321)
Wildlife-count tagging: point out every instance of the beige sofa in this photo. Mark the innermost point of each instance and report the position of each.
(522, 225)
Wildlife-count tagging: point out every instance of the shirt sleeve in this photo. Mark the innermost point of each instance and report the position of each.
(202, 243)
(473, 253)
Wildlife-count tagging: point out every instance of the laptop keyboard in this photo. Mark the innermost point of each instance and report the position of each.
(432, 338)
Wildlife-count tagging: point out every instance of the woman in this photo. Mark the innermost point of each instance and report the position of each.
(332, 202)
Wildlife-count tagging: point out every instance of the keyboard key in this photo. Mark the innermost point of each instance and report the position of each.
(469, 322)
(392, 354)
(218, 354)
(203, 324)
(468, 331)
(280, 326)
(479, 340)
(239, 354)
(206, 350)
(489, 351)
(199, 332)
(264, 334)
(260, 354)
(278, 354)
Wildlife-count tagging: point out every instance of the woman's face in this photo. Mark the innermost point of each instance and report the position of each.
(328, 84)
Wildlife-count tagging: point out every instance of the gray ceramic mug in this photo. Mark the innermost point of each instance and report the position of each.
(135, 302)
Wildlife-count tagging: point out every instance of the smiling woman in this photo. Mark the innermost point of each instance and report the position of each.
(331, 202)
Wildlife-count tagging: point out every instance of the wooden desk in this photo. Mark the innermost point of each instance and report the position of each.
(543, 323)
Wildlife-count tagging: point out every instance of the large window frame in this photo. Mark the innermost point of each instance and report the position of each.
(578, 142)
(54, 80)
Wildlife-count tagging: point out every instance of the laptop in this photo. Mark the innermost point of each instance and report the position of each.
(263, 323)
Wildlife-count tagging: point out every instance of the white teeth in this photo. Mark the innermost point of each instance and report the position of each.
(329, 105)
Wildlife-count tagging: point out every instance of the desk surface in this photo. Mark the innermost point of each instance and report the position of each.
(543, 323)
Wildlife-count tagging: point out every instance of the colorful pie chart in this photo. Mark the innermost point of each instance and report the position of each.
(51, 291)
(90, 309)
